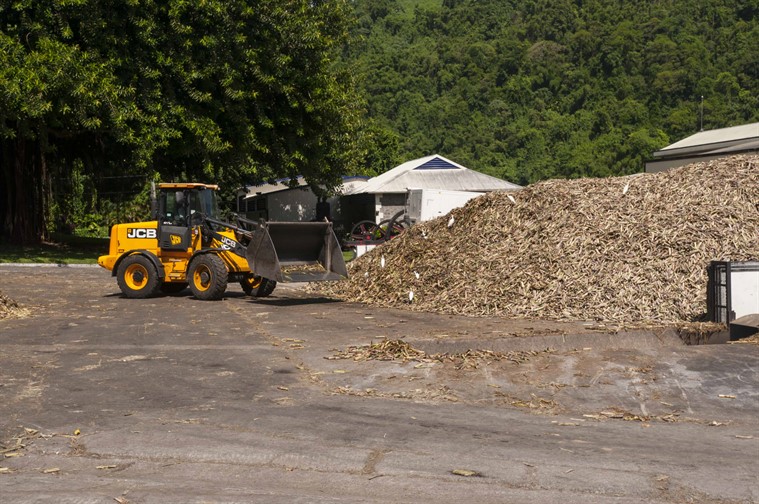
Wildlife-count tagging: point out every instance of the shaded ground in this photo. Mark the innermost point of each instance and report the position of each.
(177, 400)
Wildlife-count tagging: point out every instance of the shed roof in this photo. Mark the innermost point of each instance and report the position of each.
(723, 140)
(283, 184)
(432, 172)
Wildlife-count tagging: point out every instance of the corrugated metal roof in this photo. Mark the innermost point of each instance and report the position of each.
(432, 172)
(750, 144)
(718, 140)
(349, 183)
(278, 185)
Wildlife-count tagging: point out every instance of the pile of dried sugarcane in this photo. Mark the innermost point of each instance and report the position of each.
(9, 307)
(628, 250)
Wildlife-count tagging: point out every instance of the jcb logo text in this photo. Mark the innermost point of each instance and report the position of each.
(228, 243)
(141, 233)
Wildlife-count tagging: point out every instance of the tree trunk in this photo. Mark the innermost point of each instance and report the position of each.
(44, 196)
(21, 232)
(26, 182)
(6, 188)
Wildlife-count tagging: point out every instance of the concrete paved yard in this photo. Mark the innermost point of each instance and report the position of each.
(175, 400)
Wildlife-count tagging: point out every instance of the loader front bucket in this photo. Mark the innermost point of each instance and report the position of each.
(294, 252)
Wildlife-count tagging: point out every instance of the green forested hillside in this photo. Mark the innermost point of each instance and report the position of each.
(531, 89)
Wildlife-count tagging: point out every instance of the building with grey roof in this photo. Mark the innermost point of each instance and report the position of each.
(385, 195)
(376, 199)
(706, 145)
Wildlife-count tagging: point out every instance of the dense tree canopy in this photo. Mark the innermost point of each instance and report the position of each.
(532, 89)
(217, 90)
(234, 91)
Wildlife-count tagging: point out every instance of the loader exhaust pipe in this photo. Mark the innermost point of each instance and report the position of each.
(275, 245)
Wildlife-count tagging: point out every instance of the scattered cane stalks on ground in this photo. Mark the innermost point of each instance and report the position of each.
(392, 350)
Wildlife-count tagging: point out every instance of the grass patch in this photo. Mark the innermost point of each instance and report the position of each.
(64, 249)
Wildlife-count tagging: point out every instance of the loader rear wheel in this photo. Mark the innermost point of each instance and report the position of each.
(258, 286)
(137, 277)
(208, 277)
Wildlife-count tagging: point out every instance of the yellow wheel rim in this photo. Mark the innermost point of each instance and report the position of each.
(136, 276)
(202, 277)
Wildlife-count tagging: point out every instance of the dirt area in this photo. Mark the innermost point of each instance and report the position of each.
(300, 397)
(542, 367)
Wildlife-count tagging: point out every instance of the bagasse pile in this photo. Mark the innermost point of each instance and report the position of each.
(8, 307)
(626, 250)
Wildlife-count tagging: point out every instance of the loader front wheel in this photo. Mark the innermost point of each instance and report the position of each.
(251, 284)
(137, 277)
(266, 288)
(208, 277)
(258, 286)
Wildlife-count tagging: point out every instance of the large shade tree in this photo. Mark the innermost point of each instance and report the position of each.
(222, 90)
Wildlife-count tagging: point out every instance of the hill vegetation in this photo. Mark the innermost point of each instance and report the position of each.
(533, 89)
(97, 100)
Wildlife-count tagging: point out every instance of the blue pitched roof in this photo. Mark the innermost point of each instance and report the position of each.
(437, 163)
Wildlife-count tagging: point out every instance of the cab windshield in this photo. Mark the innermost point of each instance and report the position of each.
(205, 202)
(179, 205)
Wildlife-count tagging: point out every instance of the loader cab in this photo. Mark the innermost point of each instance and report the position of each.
(181, 204)
(180, 207)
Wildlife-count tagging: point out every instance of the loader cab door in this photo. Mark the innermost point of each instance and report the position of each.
(173, 207)
(174, 231)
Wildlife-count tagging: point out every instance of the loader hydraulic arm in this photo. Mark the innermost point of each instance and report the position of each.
(210, 227)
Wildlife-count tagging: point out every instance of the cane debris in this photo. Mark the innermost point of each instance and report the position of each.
(391, 350)
(10, 308)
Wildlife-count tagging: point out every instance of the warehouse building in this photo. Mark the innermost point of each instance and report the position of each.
(705, 146)
(375, 199)
(385, 195)
(287, 201)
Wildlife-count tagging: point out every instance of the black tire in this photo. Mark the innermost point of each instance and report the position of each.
(266, 288)
(251, 284)
(173, 287)
(137, 277)
(208, 277)
(258, 286)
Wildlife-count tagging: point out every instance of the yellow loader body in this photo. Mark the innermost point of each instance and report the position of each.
(185, 247)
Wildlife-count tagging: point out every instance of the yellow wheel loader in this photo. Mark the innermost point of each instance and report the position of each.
(186, 245)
